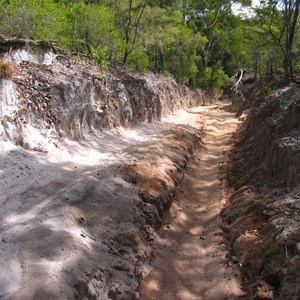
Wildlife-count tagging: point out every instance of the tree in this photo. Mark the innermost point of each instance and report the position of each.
(201, 43)
(171, 46)
(31, 18)
(91, 27)
(214, 20)
(206, 17)
(129, 14)
(280, 17)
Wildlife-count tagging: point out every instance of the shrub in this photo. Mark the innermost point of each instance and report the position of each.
(213, 80)
(6, 69)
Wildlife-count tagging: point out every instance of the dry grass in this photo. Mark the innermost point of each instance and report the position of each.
(6, 69)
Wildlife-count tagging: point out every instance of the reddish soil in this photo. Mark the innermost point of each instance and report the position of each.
(191, 258)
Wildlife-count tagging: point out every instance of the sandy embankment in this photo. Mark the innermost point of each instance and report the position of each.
(78, 220)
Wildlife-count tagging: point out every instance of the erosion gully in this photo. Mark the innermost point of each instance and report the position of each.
(191, 258)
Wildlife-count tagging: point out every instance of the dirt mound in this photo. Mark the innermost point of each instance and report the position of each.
(262, 216)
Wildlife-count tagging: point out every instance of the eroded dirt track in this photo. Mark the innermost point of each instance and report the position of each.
(191, 260)
(78, 222)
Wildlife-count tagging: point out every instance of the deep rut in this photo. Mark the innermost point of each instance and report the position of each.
(191, 259)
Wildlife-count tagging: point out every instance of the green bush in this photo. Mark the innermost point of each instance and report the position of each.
(138, 60)
(36, 19)
(214, 80)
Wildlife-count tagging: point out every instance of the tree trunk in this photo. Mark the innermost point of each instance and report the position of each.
(288, 71)
(291, 17)
(184, 7)
(127, 32)
(125, 57)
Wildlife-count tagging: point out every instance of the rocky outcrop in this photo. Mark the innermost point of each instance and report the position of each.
(55, 95)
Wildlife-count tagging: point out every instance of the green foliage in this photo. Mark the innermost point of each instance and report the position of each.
(200, 43)
(214, 80)
(171, 46)
(280, 19)
(75, 26)
(100, 55)
(267, 89)
(37, 19)
(183, 54)
(91, 27)
(138, 61)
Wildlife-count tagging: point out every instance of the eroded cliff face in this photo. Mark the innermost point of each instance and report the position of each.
(262, 218)
(267, 151)
(54, 96)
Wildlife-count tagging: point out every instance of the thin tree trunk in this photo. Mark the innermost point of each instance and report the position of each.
(291, 16)
(184, 8)
(127, 33)
(125, 57)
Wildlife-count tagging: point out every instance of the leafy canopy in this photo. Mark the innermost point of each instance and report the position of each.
(201, 43)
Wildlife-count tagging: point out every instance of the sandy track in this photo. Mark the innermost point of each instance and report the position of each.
(73, 220)
(191, 258)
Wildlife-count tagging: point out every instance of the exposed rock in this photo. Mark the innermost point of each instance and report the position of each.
(19, 50)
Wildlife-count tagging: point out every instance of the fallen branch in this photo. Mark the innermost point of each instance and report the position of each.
(235, 86)
(83, 234)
